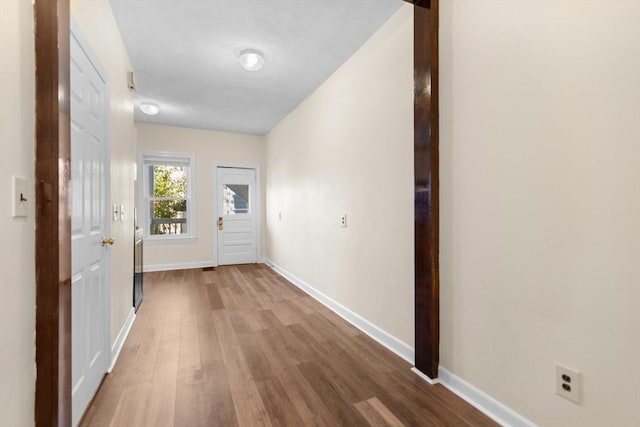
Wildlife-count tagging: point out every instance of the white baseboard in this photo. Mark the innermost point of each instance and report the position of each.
(495, 410)
(428, 379)
(121, 338)
(389, 341)
(472, 395)
(177, 266)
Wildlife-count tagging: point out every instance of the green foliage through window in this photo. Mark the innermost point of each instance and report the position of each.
(168, 199)
(169, 181)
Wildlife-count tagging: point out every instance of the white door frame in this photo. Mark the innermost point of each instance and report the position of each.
(258, 203)
(76, 33)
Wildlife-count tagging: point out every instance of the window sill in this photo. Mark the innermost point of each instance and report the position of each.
(170, 240)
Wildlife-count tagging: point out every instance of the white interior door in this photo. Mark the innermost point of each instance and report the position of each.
(89, 224)
(237, 216)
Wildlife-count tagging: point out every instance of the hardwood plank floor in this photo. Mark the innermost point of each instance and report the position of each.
(241, 346)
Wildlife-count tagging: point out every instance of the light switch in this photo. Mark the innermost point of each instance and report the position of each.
(115, 212)
(20, 199)
(121, 212)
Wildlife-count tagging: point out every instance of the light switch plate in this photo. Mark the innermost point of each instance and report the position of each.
(115, 213)
(121, 212)
(20, 198)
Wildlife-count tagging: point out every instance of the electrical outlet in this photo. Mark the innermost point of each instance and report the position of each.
(343, 221)
(568, 383)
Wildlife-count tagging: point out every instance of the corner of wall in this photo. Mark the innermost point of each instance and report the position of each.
(17, 133)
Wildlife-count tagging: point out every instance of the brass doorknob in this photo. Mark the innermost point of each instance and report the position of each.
(108, 241)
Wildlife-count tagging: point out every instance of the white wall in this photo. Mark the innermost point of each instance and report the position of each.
(17, 252)
(207, 147)
(348, 148)
(98, 25)
(540, 209)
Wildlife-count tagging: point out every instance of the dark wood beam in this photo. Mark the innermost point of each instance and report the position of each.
(53, 220)
(421, 3)
(427, 200)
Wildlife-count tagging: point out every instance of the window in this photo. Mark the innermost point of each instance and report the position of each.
(236, 199)
(167, 204)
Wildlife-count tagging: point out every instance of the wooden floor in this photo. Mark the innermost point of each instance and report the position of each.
(242, 346)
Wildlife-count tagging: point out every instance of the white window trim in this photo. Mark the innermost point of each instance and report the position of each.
(143, 205)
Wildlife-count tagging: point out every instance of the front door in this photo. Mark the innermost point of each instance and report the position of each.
(237, 216)
(89, 226)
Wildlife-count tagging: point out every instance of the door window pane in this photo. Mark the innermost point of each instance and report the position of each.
(236, 199)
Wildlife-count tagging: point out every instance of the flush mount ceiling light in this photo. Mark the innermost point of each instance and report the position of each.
(149, 108)
(251, 59)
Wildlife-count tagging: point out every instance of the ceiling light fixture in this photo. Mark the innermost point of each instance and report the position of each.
(251, 59)
(149, 108)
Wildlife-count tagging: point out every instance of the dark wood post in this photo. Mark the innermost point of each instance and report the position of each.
(427, 203)
(53, 219)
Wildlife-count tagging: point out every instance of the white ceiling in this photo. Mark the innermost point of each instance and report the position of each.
(184, 53)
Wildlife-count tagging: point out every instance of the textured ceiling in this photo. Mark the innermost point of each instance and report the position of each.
(185, 55)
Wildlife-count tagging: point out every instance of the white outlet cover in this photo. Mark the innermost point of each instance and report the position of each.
(572, 388)
(19, 196)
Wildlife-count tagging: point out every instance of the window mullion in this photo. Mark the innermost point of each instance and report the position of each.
(169, 199)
